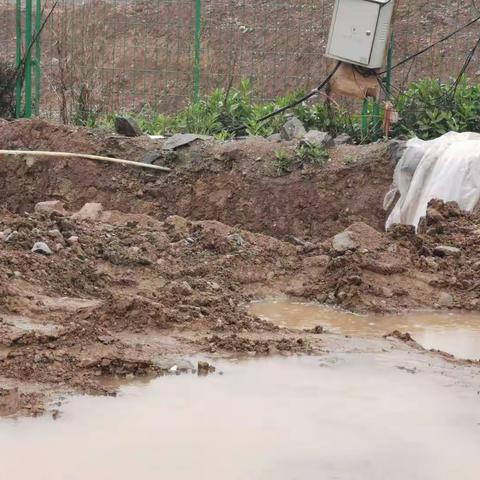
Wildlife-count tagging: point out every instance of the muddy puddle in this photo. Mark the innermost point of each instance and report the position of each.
(350, 417)
(454, 333)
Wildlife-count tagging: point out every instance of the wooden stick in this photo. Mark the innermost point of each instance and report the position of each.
(86, 156)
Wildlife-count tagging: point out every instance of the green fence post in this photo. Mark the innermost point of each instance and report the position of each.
(198, 47)
(18, 60)
(28, 58)
(365, 119)
(38, 55)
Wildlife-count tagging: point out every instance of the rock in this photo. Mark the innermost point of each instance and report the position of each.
(42, 248)
(430, 261)
(204, 368)
(90, 211)
(50, 207)
(446, 251)
(343, 242)
(127, 126)
(237, 239)
(293, 130)
(152, 156)
(276, 137)
(396, 149)
(321, 139)
(445, 300)
(182, 139)
(342, 139)
(177, 227)
(9, 236)
(214, 285)
(72, 240)
(9, 400)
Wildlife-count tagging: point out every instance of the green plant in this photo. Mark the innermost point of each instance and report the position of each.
(312, 153)
(283, 162)
(429, 108)
(349, 160)
(7, 89)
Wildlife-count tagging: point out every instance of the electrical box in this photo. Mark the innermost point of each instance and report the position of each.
(360, 32)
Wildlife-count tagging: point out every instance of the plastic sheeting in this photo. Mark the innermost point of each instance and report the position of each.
(447, 168)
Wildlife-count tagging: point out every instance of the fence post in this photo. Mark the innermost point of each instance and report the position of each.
(364, 122)
(198, 47)
(18, 58)
(38, 55)
(28, 58)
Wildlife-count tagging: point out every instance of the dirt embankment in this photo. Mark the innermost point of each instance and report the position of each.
(235, 183)
(124, 289)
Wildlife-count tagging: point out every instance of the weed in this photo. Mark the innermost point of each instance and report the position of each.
(7, 90)
(283, 162)
(349, 160)
(312, 153)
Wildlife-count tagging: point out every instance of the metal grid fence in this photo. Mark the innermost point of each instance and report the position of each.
(125, 55)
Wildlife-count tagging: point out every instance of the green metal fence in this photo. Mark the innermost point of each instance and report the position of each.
(122, 55)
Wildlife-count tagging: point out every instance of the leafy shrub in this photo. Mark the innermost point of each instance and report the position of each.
(312, 153)
(429, 108)
(283, 162)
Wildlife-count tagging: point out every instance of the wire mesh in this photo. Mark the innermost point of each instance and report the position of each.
(127, 55)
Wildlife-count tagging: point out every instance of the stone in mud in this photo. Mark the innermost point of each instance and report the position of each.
(49, 207)
(42, 248)
(293, 130)
(446, 251)
(204, 368)
(9, 400)
(177, 227)
(182, 140)
(237, 239)
(445, 300)
(320, 139)
(90, 211)
(152, 156)
(342, 139)
(127, 126)
(343, 242)
(276, 137)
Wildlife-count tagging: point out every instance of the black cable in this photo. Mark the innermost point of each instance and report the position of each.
(468, 60)
(293, 104)
(426, 49)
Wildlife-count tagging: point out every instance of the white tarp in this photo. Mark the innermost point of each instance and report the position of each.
(447, 168)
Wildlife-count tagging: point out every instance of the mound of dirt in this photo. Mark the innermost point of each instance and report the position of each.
(233, 182)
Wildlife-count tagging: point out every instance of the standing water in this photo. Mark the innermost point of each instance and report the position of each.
(454, 333)
(355, 417)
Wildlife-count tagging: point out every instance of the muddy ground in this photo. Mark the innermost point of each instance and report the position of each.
(164, 268)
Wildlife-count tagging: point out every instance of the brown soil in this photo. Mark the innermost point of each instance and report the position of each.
(139, 284)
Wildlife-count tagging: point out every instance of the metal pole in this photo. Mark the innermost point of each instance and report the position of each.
(18, 59)
(28, 59)
(198, 47)
(365, 119)
(38, 55)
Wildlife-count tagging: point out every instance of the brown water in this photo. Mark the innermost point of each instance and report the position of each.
(458, 334)
(355, 418)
